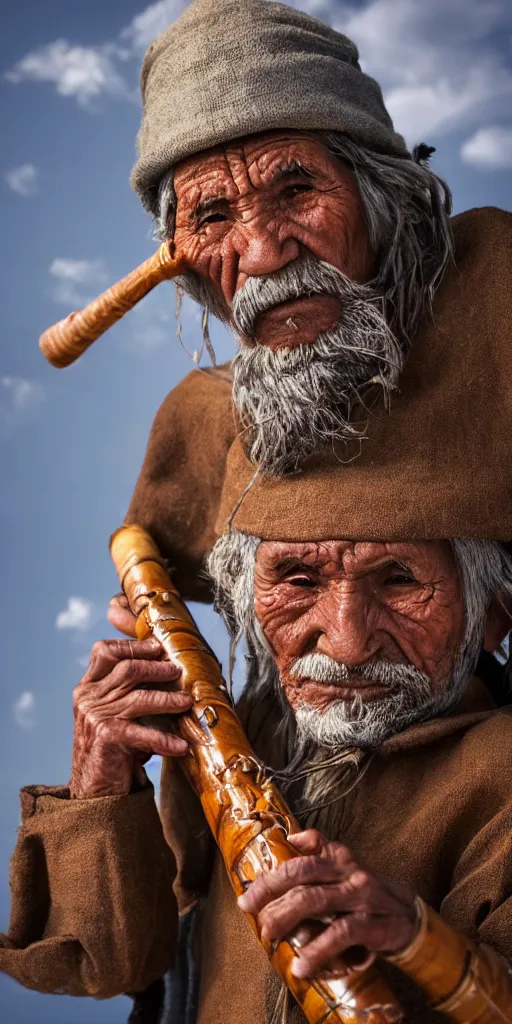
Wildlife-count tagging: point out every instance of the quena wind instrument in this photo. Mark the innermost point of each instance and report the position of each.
(247, 815)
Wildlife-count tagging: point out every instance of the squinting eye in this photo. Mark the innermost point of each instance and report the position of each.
(295, 190)
(301, 581)
(399, 580)
(212, 218)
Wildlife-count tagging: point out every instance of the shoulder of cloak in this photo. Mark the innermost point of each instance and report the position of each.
(177, 494)
(438, 463)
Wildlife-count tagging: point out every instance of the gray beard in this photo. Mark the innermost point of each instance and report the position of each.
(291, 402)
(356, 723)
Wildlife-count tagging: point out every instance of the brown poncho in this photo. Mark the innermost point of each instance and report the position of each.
(93, 911)
(437, 465)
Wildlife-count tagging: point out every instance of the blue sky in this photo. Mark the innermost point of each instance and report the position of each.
(71, 442)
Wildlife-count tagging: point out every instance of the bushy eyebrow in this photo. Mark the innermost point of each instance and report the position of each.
(291, 170)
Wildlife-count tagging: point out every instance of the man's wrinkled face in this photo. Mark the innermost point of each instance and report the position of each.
(251, 207)
(378, 613)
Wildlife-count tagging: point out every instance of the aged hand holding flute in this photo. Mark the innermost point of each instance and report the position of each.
(320, 917)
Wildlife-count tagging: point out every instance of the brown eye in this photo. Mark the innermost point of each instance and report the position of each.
(212, 218)
(301, 581)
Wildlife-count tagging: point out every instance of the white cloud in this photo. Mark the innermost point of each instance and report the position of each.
(24, 710)
(78, 614)
(74, 278)
(20, 394)
(88, 72)
(83, 72)
(147, 25)
(489, 149)
(23, 180)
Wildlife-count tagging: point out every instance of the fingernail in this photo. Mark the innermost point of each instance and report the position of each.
(243, 901)
(297, 968)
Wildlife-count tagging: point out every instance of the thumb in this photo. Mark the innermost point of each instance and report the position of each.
(120, 616)
(309, 842)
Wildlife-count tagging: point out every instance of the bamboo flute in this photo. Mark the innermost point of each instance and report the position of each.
(247, 815)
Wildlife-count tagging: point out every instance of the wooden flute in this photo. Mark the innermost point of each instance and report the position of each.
(246, 813)
(65, 341)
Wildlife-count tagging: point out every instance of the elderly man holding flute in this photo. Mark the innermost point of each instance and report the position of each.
(359, 501)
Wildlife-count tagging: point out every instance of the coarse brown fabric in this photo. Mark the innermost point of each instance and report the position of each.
(231, 68)
(434, 810)
(177, 494)
(430, 813)
(93, 911)
(439, 464)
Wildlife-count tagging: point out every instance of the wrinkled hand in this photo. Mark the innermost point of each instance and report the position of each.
(325, 881)
(125, 680)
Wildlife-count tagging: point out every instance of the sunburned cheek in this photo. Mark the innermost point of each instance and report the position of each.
(280, 619)
(428, 638)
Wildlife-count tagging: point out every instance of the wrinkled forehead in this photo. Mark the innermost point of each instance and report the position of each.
(254, 160)
(425, 557)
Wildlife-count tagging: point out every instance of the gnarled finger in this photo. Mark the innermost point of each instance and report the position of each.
(374, 933)
(106, 654)
(333, 864)
(118, 732)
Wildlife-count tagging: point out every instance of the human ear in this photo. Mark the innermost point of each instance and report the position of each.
(498, 624)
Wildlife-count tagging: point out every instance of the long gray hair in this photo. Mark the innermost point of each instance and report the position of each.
(407, 208)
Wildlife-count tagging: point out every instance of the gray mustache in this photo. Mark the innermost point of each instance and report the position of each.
(321, 668)
(302, 278)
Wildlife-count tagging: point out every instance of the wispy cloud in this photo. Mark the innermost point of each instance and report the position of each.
(24, 710)
(87, 73)
(74, 278)
(83, 72)
(19, 399)
(489, 148)
(23, 180)
(21, 393)
(78, 614)
(147, 25)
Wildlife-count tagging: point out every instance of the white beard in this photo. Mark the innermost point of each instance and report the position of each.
(294, 401)
(356, 723)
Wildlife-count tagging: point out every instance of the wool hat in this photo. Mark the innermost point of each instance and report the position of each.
(231, 68)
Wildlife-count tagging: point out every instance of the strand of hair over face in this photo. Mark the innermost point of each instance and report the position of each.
(407, 208)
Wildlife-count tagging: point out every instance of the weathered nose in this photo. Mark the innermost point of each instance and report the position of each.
(346, 627)
(262, 251)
